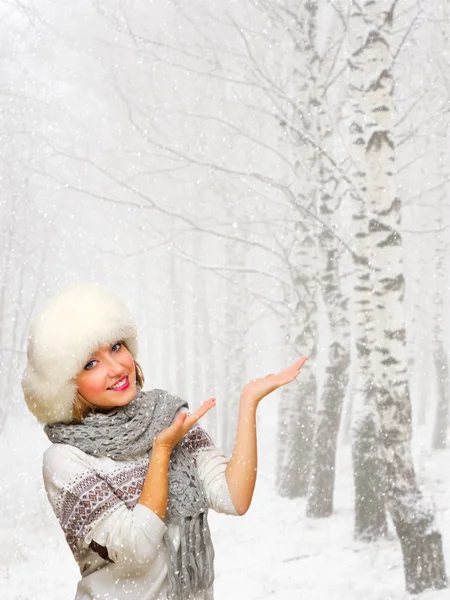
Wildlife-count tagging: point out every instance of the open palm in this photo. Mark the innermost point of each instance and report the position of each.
(258, 388)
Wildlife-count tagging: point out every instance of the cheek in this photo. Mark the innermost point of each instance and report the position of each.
(91, 384)
(129, 363)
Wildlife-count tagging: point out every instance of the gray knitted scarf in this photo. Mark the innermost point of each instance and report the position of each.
(126, 431)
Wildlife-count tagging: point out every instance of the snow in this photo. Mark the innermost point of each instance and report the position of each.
(273, 552)
(72, 79)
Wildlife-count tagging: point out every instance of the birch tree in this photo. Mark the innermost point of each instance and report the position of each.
(413, 516)
(326, 181)
(440, 358)
(440, 351)
(297, 405)
(368, 464)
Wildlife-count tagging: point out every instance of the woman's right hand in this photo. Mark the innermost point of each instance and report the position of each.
(168, 438)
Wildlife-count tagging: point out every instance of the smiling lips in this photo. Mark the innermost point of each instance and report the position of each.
(120, 385)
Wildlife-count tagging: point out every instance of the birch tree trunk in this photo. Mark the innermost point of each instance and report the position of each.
(298, 402)
(346, 425)
(440, 351)
(368, 465)
(369, 472)
(440, 355)
(328, 417)
(413, 517)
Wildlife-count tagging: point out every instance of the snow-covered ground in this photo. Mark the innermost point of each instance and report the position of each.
(272, 553)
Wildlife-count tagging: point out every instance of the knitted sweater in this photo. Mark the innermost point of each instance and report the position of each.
(120, 549)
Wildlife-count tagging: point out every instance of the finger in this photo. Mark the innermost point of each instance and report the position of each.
(297, 365)
(198, 414)
(205, 407)
(287, 375)
(179, 420)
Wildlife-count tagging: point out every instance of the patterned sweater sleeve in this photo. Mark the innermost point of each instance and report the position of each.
(211, 464)
(92, 515)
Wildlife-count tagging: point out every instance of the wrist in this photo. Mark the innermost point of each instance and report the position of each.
(161, 451)
(249, 402)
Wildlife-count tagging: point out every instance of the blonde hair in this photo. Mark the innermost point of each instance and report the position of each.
(81, 407)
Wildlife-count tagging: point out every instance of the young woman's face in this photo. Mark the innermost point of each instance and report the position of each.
(109, 377)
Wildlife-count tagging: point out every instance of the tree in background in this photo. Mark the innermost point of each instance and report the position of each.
(413, 517)
(440, 351)
(368, 463)
(324, 175)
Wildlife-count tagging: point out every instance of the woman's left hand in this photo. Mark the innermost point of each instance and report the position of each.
(256, 389)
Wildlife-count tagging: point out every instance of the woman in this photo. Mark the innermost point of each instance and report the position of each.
(130, 475)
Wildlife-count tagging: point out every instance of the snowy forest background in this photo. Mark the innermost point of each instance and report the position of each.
(260, 180)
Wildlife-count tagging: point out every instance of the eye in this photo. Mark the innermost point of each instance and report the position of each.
(90, 365)
(116, 346)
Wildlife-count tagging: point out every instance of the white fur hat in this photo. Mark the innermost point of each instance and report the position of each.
(62, 337)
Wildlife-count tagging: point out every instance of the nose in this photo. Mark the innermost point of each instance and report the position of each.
(114, 366)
